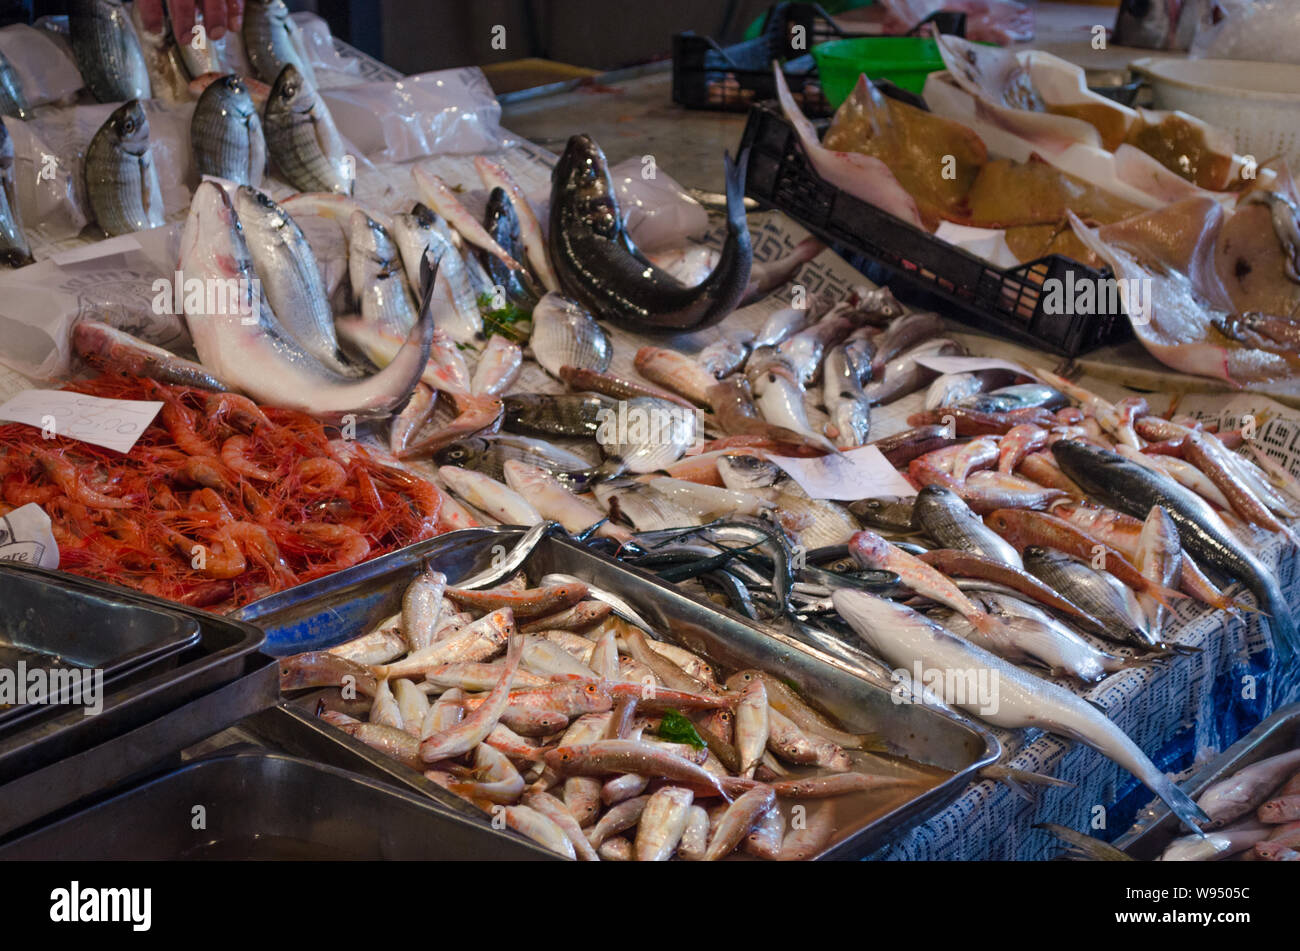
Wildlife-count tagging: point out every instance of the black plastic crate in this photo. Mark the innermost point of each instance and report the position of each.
(733, 78)
(922, 270)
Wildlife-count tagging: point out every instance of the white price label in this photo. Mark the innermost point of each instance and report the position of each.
(113, 424)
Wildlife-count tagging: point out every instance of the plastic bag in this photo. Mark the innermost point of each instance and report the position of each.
(449, 112)
(43, 62)
(657, 211)
(1262, 30)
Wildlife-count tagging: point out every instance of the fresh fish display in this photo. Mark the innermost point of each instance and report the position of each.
(301, 137)
(226, 133)
(121, 177)
(1133, 489)
(598, 266)
(847, 367)
(108, 51)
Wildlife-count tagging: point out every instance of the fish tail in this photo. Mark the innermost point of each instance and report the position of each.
(1010, 774)
(1281, 622)
(1164, 595)
(736, 186)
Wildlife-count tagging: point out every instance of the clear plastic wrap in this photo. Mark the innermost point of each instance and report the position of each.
(449, 112)
(658, 212)
(43, 62)
(1262, 30)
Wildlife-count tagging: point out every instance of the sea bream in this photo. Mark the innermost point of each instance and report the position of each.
(120, 174)
(599, 267)
(107, 51)
(246, 345)
(302, 138)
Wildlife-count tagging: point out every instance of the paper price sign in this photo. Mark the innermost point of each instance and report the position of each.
(113, 424)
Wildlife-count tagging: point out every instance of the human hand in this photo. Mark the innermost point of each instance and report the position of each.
(218, 16)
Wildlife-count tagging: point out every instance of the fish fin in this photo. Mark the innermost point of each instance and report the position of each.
(1083, 846)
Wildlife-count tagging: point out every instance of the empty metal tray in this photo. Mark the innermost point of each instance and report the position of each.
(58, 622)
(262, 805)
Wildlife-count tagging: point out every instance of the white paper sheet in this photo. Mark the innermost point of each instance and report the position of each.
(861, 473)
(113, 424)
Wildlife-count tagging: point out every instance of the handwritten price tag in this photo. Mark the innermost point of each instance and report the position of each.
(113, 424)
(861, 473)
(969, 364)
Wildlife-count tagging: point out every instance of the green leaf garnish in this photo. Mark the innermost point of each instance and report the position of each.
(676, 728)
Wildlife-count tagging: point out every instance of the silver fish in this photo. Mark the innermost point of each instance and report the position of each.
(247, 346)
(903, 375)
(14, 248)
(726, 354)
(907, 640)
(645, 434)
(13, 102)
(287, 269)
(844, 371)
(643, 506)
(456, 309)
(779, 395)
(378, 280)
(107, 51)
(272, 41)
(411, 232)
(226, 133)
(943, 515)
(565, 334)
(302, 139)
(121, 178)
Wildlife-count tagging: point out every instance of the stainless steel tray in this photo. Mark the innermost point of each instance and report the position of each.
(54, 622)
(60, 758)
(318, 615)
(265, 805)
(1157, 827)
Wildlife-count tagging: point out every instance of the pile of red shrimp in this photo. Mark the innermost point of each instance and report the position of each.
(219, 503)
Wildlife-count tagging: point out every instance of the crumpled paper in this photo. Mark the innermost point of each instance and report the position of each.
(26, 537)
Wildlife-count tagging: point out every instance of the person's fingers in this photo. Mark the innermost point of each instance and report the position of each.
(214, 18)
(182, 13)
(151, 14)
(235, 14)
